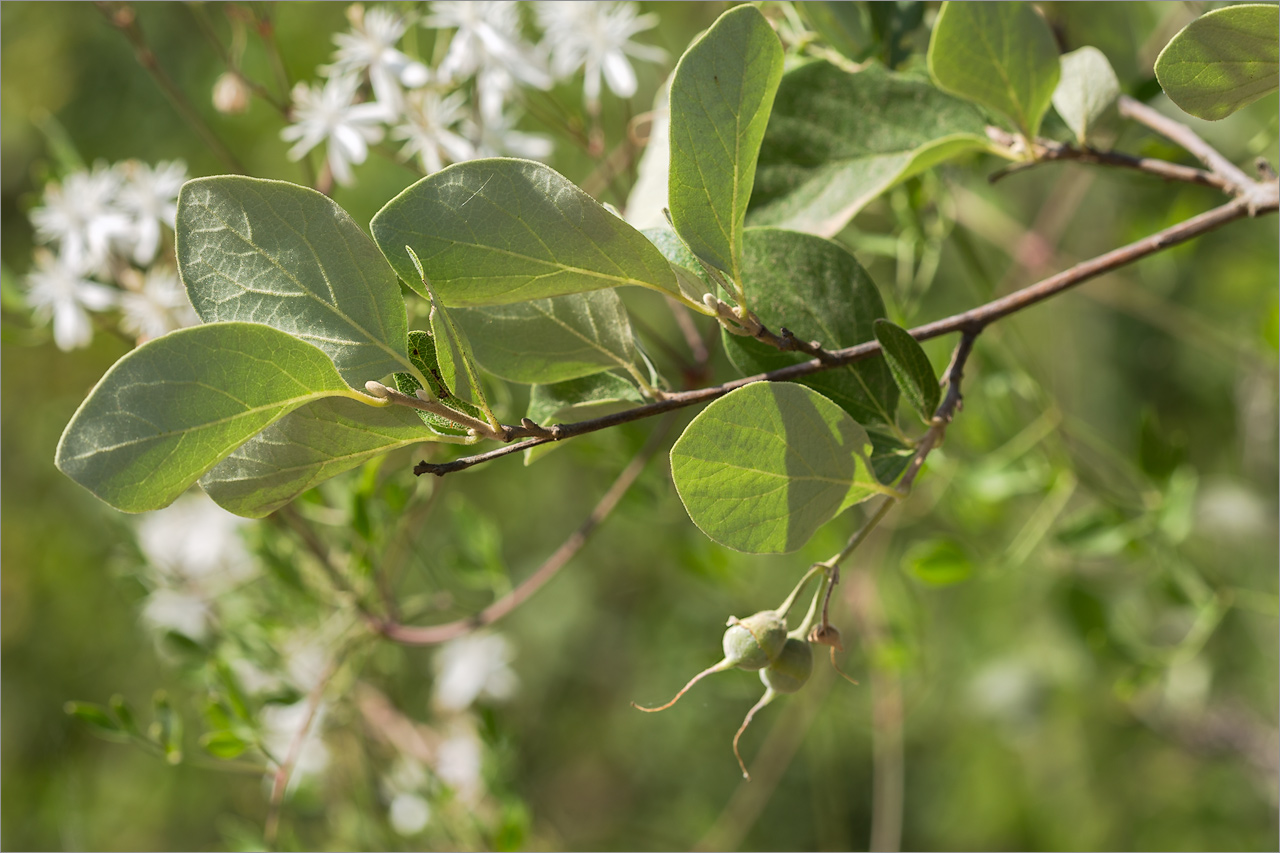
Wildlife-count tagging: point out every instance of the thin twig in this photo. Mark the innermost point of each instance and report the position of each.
(123, 18)
(433, 634)
(975, 319)
(1188, 139)
(206, 27)
(281, 780)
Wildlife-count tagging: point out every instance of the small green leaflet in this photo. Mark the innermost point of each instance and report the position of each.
(1086, 91)
(910, 367)
(422, 352)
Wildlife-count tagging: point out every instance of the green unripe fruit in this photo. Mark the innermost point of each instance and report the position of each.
(754, 642)
(789, 672)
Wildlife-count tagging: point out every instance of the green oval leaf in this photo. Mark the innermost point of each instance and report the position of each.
(762, 468)
(306, 447)
(1000, 55)
(819, 291)
(177, 405)
(1223, 60)
(551, 340)
(910, 368)
(1087, 89)
(223, 744)
(938, 562)
(97, 718)
(272, 252)
(491, 232)
(721, 95)
(837, 140)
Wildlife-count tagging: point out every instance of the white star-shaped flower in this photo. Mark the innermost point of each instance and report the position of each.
(370, 48)
(428, 130)
(80, 216)
(331, 115)
(150, 197)
(59, 290)
(596, 36)
(487, 33)
(157, 307)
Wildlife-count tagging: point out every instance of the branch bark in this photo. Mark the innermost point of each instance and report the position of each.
(973, 320)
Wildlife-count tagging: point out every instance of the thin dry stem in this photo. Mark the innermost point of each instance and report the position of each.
(719, 667)
(769, 695)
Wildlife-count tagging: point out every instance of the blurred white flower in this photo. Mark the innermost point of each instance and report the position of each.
(175, 610)
(81, 217)
(409, 813)
(370, 48)
(331, 115)
(281, 727)
(194, 540)
(497, 137)
(59, 290)
(596, 36)
(195, 553)
(473, 667)
(427, 130)
(408, 810)
(487, 33)
(459, 764)
(150, 197)
(306, 662)
(158, 306)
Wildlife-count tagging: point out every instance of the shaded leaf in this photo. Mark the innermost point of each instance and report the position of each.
(306, 447)
(1087, 89)
(837, 140)
(1000, 55)
(721, 95)
(551, 340)
(910, 368)
(492, 232)
(177, 405)
(1223, 60)
(692, 278)
(272, 252)
(819, 291)
(762, 468)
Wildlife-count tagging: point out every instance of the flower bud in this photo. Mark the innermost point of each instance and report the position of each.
(791, 669)
(752, 643)
(230, 94)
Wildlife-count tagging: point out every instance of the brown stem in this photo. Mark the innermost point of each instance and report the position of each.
(975, 319)
(1188, 139)
(123, 18)
(281, 780)
(431, 635)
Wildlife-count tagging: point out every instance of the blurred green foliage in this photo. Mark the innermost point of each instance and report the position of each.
(1073, 619)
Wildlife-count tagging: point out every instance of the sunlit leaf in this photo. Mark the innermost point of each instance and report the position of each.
(173, 408)
(762, 468)
(491, 232)
(1000, 55)
(1223, 60)
(721, 95)
(1087, 89)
